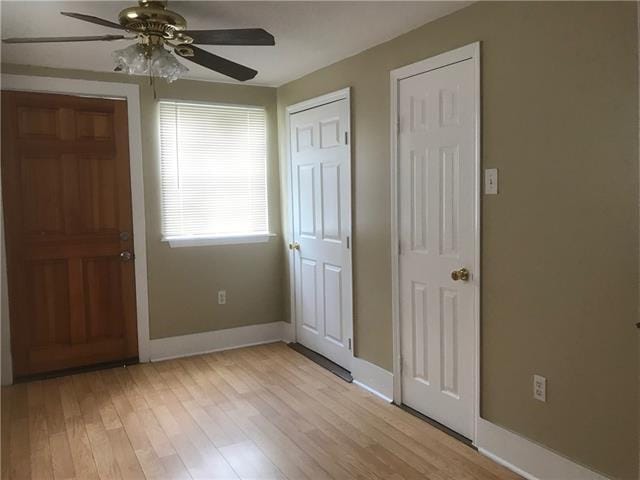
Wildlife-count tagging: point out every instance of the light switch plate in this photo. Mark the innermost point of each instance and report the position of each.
(491, 181)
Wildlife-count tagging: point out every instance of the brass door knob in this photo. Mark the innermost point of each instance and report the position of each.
(462, 274)
(294, 246)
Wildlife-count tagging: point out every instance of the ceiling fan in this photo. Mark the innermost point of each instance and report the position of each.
(157, 29)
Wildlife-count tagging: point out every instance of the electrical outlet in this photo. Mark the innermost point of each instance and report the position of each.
(540, 388)
(222, 297)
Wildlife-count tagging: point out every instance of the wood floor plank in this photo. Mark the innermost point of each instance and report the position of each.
(19, 445)
(5, 431)
(427, 450)
(53, 406)
(263, 412)
(125, 456)
(249, 462)
(41, 463)
(62, 461)
(151, 464)
(130, 388)
(106, 464)
(230, 433)
(194, 448)
(103, 454)
(174, 468)
(81, 452)
(285, 454)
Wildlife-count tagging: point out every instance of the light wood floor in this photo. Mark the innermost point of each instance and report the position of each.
(263, 412)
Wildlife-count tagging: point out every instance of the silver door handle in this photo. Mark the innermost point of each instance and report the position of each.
(125, 256)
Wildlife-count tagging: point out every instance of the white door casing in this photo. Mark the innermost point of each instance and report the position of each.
(437, 231)
(321, 221)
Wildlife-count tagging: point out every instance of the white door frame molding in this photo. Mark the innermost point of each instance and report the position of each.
(130, 92)
(343, 94)
(467, 52)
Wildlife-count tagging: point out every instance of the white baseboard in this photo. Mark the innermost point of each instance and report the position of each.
(288, 332)
(372, 378)
(527, 458)
(217, 340)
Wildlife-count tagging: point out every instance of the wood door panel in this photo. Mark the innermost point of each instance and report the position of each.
(98, 195)
(67, 197)
(32, 146)
(37, 123)
(52, 358)
(94, 125)
(47, 282)
(42, 194)
(103, 295)
(39, 250)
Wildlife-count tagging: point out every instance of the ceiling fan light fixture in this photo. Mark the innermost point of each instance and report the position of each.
(155, 61)
(131, 60)
(165, 65)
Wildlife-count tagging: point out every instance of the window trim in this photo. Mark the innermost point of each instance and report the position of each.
(211, 103)
(180, 241)
(209, 240)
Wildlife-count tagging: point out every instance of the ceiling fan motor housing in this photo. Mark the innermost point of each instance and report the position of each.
(152, 18)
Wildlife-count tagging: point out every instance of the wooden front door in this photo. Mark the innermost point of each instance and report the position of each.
(69, 231)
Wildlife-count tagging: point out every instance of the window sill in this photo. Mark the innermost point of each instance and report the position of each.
(178, 242)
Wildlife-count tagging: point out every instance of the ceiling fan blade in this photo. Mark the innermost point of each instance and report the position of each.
(92, 19)
(106, 38)
(216, 63)
(239, 36)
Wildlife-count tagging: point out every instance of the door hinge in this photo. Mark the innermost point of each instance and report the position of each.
(349, 344)
(398, 125)
(399, 249)
(346, 138)
(348, 241)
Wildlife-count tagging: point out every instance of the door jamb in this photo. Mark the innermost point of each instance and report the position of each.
(471, 51)
(343, 94)
(130, 92)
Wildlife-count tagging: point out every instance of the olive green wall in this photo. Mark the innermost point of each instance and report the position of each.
(183, 282)
(560, 241)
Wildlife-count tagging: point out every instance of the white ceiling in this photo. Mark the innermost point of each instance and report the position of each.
(309, 35)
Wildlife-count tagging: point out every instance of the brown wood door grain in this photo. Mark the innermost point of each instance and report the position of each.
(67, 211)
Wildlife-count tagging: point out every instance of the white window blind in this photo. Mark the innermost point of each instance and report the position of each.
(213, 170)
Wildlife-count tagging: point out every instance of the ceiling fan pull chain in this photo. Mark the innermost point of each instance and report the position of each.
(152, 84)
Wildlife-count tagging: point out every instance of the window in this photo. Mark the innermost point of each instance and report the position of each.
(213, 162)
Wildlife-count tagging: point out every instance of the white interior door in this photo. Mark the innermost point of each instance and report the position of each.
(437, 202)
(321, 201)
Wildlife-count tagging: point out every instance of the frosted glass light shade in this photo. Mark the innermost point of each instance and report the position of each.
(161, 63)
